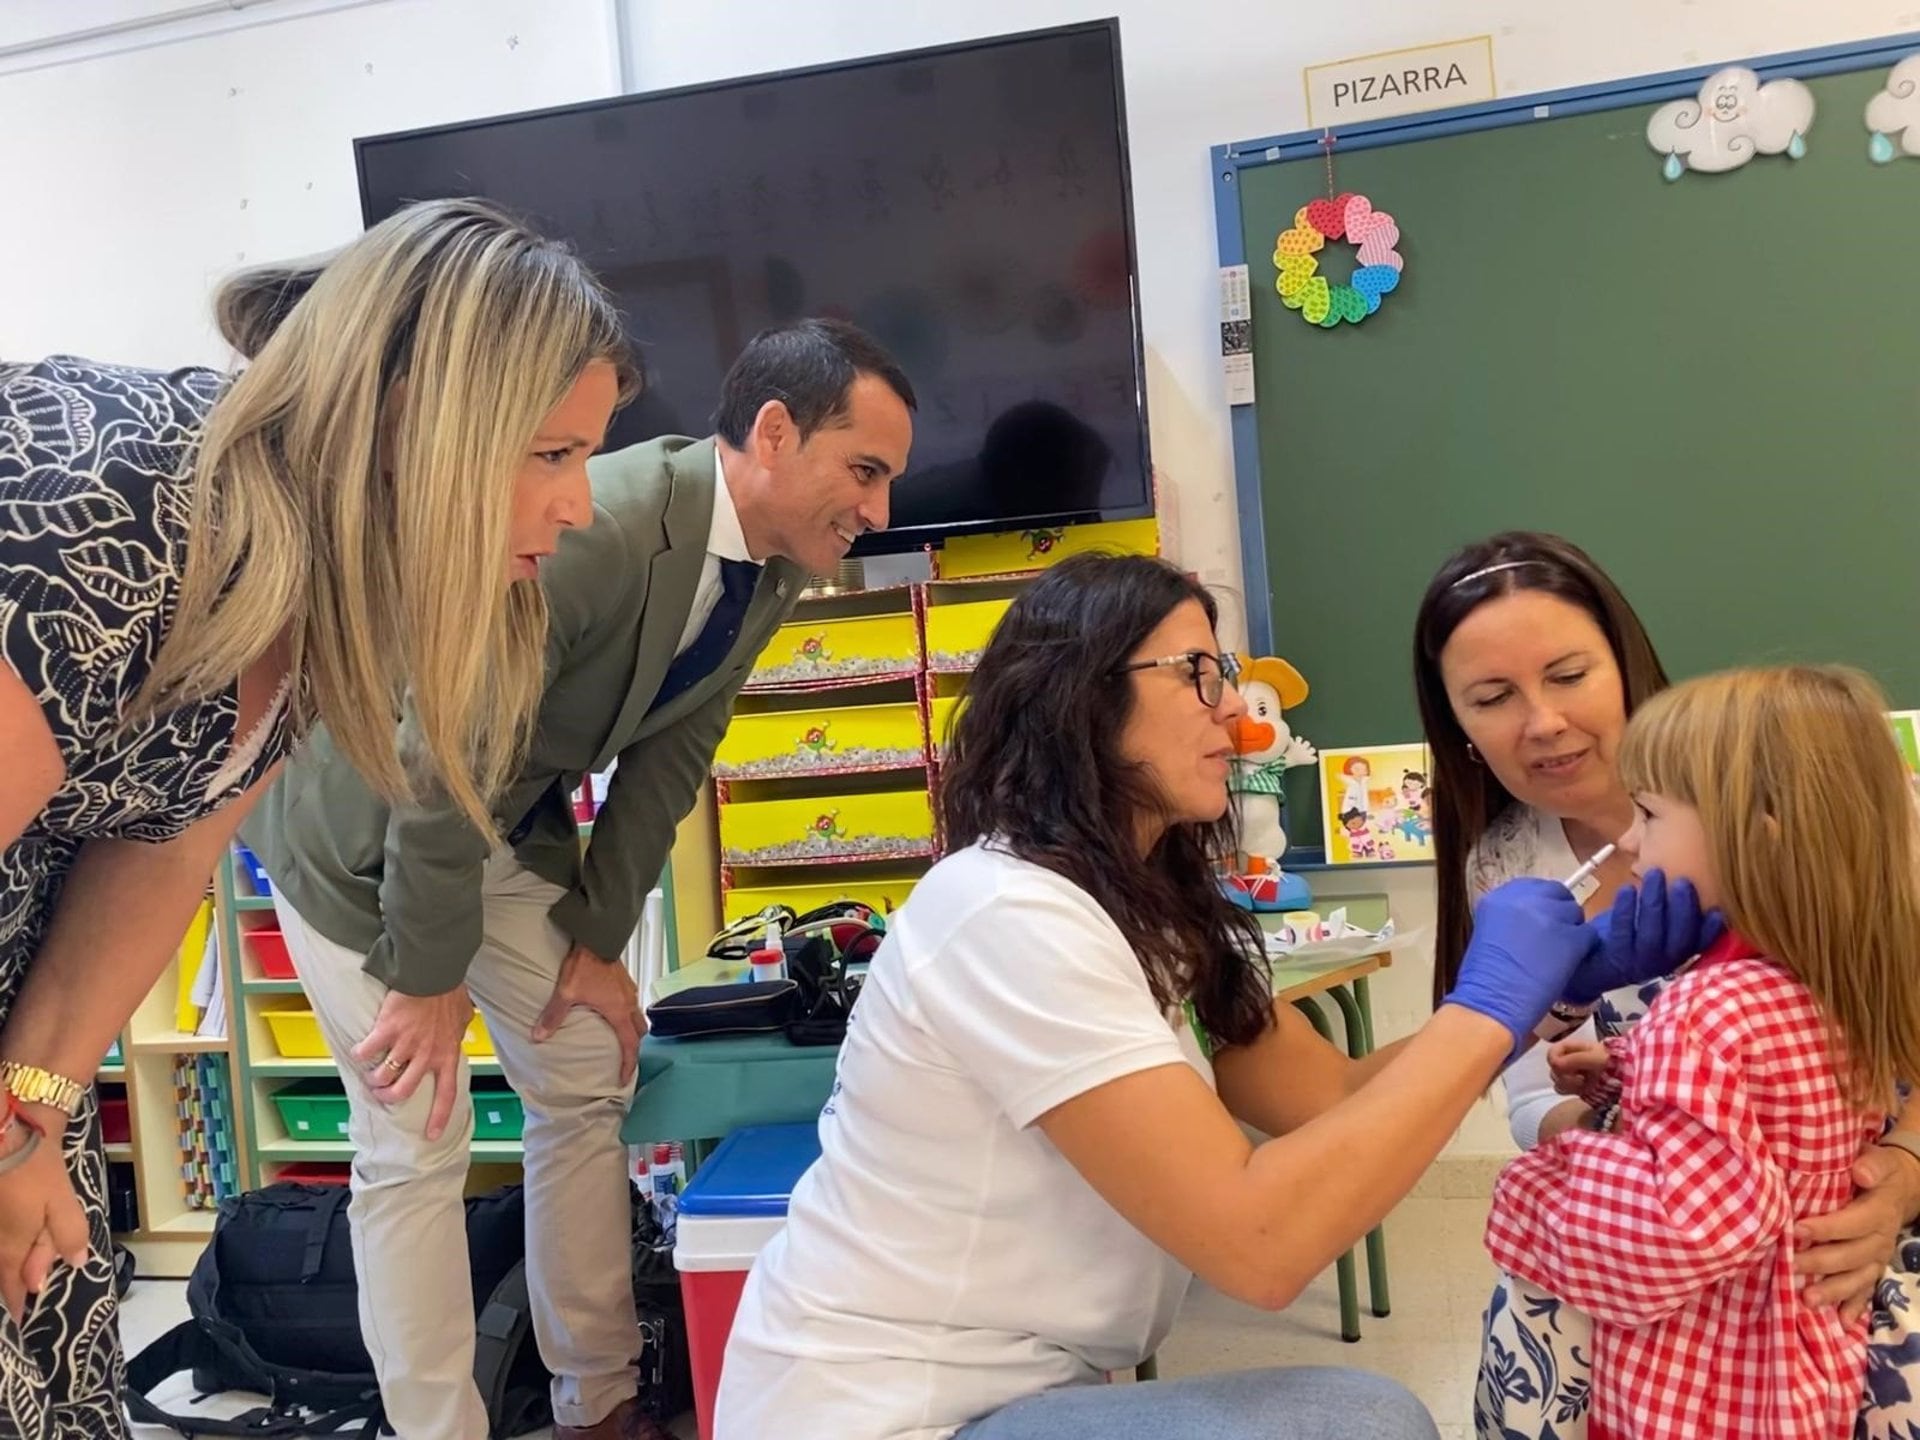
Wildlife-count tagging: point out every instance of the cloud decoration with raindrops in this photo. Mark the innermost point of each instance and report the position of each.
(1735, 117)
(1893, 115)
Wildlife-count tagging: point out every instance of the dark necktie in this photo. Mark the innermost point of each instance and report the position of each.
(695, 663)
(716, 637)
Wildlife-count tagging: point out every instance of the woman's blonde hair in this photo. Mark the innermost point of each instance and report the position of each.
(354, 489)
(1810, 822)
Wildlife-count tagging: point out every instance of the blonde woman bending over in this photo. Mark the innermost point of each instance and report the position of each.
(195, 571)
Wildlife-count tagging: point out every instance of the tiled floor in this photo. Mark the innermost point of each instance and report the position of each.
(1440, 1278)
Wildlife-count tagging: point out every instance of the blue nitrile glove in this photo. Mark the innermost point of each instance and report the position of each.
(1652, 930)
(1529, 937)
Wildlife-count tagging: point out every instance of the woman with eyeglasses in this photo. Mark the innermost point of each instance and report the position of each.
(1034, 1140)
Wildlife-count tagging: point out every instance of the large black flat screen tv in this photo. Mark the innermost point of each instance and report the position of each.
(969, 205)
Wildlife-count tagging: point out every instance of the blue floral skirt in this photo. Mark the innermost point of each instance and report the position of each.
(1536, 1367)
(1536, 1361)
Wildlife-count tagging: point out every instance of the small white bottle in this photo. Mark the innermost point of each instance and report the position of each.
(769, 962)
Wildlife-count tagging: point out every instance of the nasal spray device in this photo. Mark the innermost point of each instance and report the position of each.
(1587, 871)
(1562, 1020)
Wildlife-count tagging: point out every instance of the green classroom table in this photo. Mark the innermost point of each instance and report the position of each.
(703, 1090)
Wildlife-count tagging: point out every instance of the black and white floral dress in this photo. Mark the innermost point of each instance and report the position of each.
(95, 466)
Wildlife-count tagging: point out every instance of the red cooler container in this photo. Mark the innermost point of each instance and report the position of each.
(732, 1207)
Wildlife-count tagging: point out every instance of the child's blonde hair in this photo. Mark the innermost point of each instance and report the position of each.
(1810, 822)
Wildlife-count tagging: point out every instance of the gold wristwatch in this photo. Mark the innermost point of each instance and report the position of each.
(34, 1086)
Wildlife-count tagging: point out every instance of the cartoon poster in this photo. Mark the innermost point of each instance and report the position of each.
(1376, 804)
(1906, 734)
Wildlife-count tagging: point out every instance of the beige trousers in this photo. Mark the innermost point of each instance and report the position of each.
(409, 1231)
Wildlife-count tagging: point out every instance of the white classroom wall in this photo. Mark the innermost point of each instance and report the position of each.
(135, 179)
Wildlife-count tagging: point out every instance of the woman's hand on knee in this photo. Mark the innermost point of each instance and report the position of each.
(413, 1037)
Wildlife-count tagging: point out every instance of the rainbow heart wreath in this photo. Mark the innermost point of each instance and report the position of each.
(1373, 234)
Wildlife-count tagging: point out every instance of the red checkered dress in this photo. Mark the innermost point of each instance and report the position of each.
(1674, 1233)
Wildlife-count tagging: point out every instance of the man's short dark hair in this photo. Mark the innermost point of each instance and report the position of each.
(809, 366)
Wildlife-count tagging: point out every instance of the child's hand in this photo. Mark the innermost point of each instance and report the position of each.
(1575, 1063)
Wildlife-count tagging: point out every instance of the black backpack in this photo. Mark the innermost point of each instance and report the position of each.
(666, 1369)
(275, 1312)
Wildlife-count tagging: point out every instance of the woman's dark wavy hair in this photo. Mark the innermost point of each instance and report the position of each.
(1034, 764)
(1466, 798)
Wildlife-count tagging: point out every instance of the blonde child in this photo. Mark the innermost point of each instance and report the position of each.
(1744, 1095)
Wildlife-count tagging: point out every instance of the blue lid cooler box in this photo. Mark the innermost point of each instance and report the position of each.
(731, 1208)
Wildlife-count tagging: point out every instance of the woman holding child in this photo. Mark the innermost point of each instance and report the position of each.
(1529, 663)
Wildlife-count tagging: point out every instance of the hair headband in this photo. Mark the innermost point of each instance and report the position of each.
(1491, 570)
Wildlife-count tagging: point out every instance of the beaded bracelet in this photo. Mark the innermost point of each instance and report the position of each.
(16, 1117)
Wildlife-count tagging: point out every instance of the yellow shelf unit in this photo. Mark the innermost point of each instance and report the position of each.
(786, 740)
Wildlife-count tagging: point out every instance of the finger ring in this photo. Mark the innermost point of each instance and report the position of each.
(392, 1064)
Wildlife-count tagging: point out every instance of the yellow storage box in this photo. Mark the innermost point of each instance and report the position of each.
(820, 741)
(885, 893)
(940, 720)
(813, 651)
(296, 1033)
(1014, 552)
(957, 634)
(827, 827)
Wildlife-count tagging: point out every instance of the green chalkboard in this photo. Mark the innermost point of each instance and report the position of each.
(1713, 385)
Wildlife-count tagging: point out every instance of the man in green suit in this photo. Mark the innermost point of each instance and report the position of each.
(402, 919)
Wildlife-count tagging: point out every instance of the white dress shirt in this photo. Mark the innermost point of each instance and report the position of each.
(725, 541)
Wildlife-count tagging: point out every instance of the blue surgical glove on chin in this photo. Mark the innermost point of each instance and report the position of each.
(1530, 938)
(1653, 929)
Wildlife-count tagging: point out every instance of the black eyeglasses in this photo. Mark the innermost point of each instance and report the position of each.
(1211, 673)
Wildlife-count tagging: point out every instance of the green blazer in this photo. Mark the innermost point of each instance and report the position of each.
(402, 884)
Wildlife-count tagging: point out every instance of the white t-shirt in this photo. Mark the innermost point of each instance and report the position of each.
(943, 1259)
